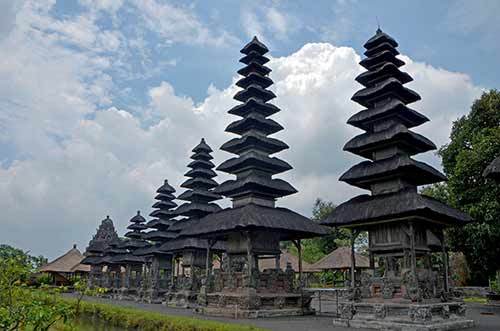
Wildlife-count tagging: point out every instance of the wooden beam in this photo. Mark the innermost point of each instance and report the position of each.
(354, 234)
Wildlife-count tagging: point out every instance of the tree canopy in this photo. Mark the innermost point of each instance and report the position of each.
(474, 143)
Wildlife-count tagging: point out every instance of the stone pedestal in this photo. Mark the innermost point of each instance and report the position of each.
(403, 316)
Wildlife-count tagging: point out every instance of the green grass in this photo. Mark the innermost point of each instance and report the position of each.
(139, 320)
(476, 300)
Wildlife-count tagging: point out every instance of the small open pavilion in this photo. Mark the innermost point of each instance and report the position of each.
(67, 268)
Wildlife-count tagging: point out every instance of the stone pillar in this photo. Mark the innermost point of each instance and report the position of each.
(353, 259)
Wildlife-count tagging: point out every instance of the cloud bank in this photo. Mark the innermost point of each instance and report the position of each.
(71, 156)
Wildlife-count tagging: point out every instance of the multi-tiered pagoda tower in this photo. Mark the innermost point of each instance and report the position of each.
(133, 263)
(94, 253)
(404, 227)
(253, 228)
(160, 262)
(195, 255)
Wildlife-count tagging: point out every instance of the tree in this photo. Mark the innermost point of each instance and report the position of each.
(475, 142)
(316, 248)
(33, 262)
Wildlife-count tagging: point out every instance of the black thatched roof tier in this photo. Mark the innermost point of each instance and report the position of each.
(150, 250)
(165, 188)
(391, 175)
(193, 209)
(160, 236)
(492, 171)
(137, 226)
(127, 259)
(253, 160)
(385, 71)
(389, 88)
(138, 218)
(92, 260)
(289, 224)
(254, 141)
(257, 186)
(397, 135)
(160, 223)
(199, 185)
(366, 209)
(199, 195)
(254, 167)
(96, 247)
(392, 110)
(254, 105)
(165, 215)
(182, 244)
(378, 39)
(254, 78)
(254, 121)
(417, 173)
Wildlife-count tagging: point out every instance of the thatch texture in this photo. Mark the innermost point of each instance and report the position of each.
(289, 224)
(340, 259)
(70, 262)
(285, 258)
(367, 208)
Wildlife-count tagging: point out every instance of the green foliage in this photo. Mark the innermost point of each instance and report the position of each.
(316, 248)
(133, 319)
(475, 142)
(22, 308)
(34, 262)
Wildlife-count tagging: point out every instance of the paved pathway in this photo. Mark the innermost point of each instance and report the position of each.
(487, 318)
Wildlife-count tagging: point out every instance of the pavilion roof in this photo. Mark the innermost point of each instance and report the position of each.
(365, 209)
(289, 224)
(340, 258)
(285, 258)
(68, 262)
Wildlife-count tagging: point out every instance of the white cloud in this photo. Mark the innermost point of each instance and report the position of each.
(180, 24)
(76, 156)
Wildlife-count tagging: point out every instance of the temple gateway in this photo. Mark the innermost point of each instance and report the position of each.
(200, 256)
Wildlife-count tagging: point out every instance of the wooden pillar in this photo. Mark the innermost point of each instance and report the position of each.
(249, 257)
(207, 261)
(299, 251)
(445, 265)
(353, 259)
(413, 254)
(277, 261)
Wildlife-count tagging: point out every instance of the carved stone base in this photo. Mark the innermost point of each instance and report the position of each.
(403, 317)
(181, 299)
(249, 304)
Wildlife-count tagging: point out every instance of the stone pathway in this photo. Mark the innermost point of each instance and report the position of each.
(487, 318)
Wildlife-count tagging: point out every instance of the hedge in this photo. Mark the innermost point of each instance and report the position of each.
(139, 320)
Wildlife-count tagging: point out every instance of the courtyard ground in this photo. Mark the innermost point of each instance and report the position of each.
(487, 318)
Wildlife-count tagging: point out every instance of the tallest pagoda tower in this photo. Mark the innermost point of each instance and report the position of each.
(404, 227)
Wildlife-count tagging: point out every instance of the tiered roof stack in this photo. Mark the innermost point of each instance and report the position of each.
(199, 196)
(135, 240)
(254, 190)
(391, 174)
(163, 213)
(254, 167)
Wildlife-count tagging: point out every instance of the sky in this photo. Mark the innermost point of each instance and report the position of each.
(100, 101)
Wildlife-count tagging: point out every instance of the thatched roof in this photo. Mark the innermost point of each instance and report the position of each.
(69, 262)
(341, 259)
(289, 224)
(285, 258)
(365, 209)
(493, 170)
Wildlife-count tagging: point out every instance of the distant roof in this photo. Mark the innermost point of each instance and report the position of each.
(341, 259)
(285, 258)
(69, 262)
(493, 170)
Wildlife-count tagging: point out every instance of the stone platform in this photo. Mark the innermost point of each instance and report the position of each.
(404, 316)
(181, 299)
(254, 305)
